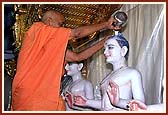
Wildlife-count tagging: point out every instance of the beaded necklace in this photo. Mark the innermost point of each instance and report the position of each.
(113, 73)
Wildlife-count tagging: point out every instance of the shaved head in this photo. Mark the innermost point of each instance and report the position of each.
(52, 18)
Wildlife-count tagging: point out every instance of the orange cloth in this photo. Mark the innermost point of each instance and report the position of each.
(36, 84)
(61, 104)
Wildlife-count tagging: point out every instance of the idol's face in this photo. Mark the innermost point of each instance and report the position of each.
(112, 51)
(72, 68)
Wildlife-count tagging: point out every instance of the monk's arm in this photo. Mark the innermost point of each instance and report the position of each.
(87, 30)
(71, 56)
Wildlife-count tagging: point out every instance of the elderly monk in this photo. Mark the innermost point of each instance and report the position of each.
(36, 84)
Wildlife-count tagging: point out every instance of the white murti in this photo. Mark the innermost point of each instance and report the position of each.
(128, 80)
(79, 86)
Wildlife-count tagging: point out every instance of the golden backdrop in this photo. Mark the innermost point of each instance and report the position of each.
(75, 15)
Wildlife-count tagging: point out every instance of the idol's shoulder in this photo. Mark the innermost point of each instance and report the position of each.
(133, 71)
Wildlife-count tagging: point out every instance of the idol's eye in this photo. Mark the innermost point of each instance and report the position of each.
(70, 63)
(110, 47)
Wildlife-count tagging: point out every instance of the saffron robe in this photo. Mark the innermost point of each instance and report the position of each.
(36, 85)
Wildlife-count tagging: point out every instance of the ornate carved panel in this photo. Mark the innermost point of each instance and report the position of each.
(75, 15)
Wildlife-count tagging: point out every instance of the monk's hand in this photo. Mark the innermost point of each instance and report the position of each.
(136, 105)
(111, 24)
(113, 92)
(80, 100)
(69, 99)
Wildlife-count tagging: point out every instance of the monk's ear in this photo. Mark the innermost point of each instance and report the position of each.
(124, 50)
(48, 21)
(80, 66)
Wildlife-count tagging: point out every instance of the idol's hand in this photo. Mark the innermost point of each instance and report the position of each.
(80, 100)
(69, 99)
(113, 92)
(136, 105)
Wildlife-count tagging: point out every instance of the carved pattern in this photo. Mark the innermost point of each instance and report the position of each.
(75, 15)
